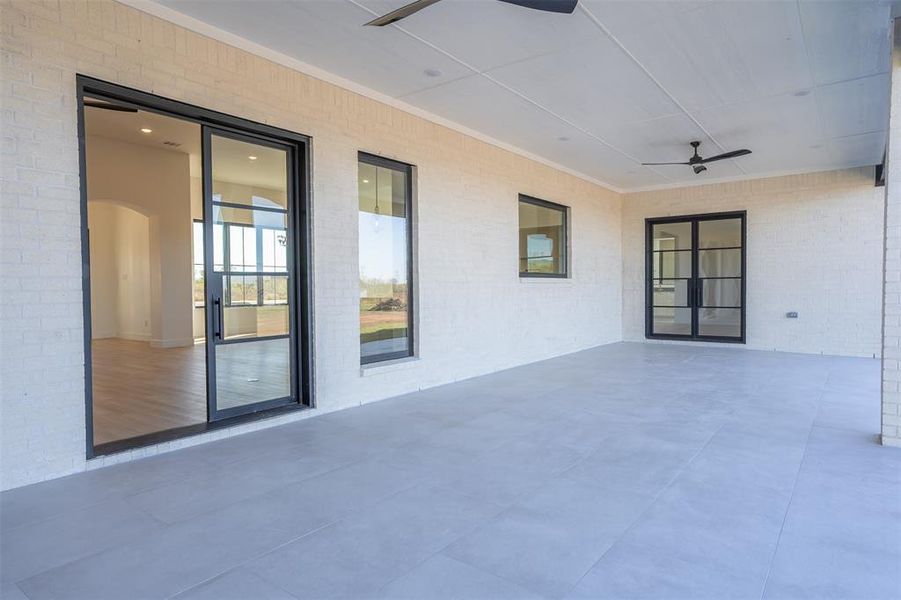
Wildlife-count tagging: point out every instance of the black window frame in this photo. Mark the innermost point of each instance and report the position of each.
(523, 198)
(407, 169)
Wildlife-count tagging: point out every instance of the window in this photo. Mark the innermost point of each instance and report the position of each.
(542, 238)
(385, 227)
(251, 249)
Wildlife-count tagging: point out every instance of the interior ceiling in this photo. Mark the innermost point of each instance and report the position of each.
(182, 136)
(231, 158)
(803, 84)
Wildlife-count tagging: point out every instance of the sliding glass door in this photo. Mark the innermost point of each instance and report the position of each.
(696, 277)
(249, 267)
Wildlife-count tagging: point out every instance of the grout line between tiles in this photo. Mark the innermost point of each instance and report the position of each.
(790, 500)
(648, 507)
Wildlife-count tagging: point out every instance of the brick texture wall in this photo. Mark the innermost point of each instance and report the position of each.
(814, 245)
(891, 342)
(809, 236)
(475, 314)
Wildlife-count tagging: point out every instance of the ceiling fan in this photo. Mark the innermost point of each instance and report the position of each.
(94, 103)
(557, 6)
(697, 162)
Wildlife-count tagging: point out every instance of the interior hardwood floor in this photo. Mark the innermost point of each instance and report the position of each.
(139, 389)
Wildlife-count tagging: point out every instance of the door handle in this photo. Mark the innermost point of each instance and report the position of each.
(690, 292)
(699, 289)
(218, 324)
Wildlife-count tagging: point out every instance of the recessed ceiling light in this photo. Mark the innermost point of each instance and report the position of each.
(146, 130)
(432, 73)
(802, 93)
(252, 157)
(563, 138)
(365, 181)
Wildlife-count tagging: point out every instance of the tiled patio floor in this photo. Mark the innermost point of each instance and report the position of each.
(626, 471)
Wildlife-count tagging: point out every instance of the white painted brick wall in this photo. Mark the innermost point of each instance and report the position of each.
(476, 316)
(814, 245)
(891, 342)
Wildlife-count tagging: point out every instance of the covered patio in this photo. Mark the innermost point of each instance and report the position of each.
(625, 471)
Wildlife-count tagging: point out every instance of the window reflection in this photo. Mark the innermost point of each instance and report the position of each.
(542, 238)
(384, 251)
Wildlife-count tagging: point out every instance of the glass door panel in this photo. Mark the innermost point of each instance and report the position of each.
(672, 264)
(251, 354)
(720, 281)
(671, 321)
(719, 322)
(672, 269)
(671, 292)
(719, 263)
(720, 233)
(721, 293)
(672, 236)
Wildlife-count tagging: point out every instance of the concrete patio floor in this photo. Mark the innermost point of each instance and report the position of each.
(625, 471)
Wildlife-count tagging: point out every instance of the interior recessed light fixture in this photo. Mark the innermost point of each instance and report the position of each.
(432, 73)
(252, 157)
(365, 181)
(563, 138)
(146, 130)
(802, 93)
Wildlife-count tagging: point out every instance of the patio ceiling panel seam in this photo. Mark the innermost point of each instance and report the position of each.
(816, 96)
(597, 22)
(484, 73)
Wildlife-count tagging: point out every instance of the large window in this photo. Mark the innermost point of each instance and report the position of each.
(386, 315)
(542, 238)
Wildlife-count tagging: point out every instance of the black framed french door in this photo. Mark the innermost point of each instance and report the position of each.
(250, 272)
(695, 277)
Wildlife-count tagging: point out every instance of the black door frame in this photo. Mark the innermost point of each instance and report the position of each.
(214, 293)
(692, 291)
(302, 251)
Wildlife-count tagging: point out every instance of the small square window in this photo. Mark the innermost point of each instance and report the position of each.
(542, 238)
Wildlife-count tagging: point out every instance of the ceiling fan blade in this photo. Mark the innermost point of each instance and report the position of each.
(108, 106)
(401, 13)
(733, 154)
(669, 163)
(557, 6)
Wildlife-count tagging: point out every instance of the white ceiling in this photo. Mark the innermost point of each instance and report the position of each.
(166, 133)
(231, 158)
(803, 84)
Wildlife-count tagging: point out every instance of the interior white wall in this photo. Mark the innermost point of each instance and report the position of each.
(133, 256)
(120, 272)
(104, 271)
(814, 245)
(155, 183)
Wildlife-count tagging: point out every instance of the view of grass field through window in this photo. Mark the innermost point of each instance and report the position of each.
(384, 286)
